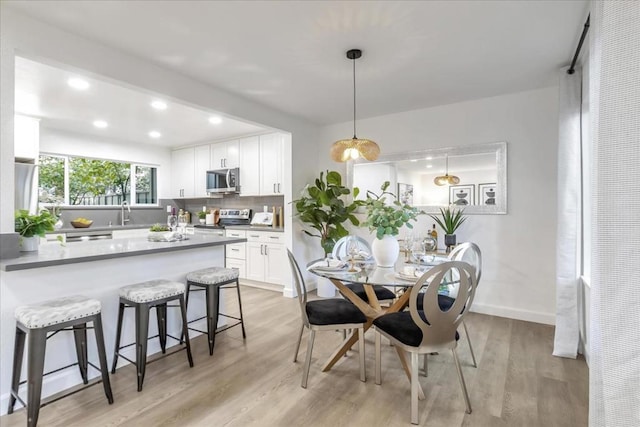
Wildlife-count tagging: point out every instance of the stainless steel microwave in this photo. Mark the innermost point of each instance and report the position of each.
(223, 181)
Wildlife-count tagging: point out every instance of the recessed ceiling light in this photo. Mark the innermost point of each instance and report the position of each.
(215, 120)
(429, 166)
(78, 83)
(413, 160)
(159, 105)
(429, 158)
(155, 134)
(100, 124)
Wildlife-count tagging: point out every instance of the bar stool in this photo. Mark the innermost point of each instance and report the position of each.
(212, 280)
(33, 323)
(144, 296)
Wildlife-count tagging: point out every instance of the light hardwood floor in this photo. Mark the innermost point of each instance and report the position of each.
(254, 383)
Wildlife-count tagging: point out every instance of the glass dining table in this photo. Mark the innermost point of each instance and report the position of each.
(399, 278)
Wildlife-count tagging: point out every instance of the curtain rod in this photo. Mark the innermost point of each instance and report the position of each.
(571, 69)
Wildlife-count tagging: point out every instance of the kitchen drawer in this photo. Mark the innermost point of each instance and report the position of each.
(236, 233)
(265, 237)
(237, 250)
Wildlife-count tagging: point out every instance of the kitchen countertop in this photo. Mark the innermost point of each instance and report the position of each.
(242, 227)
(100, 228)
(52, 254)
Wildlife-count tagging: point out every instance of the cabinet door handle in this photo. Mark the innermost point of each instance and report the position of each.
(225, 162)
(235, 249)
(274, 187)
(265, 249)
(278, 187)
(261, 249)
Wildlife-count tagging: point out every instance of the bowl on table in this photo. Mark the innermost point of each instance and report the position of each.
(81, 223)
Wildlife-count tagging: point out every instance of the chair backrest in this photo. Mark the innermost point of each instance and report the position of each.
(340, 249)
(301, 288)
(469, 253)
(442, 326)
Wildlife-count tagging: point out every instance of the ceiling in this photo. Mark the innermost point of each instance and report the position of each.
(290, 55)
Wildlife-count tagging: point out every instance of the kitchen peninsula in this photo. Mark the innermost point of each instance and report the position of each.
(97, 269)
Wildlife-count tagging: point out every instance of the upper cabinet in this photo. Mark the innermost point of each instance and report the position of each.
(225, 155)
(271, 162)
(189, 168)
(26, 138)
(250, 166)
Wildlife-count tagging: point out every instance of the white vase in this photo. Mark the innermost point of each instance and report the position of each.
(325, 289)
(29, 244)
(385, 251)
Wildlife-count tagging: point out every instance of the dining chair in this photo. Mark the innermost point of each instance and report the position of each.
(325, 315)
(431, 329)
(468, 252)
(341, 252)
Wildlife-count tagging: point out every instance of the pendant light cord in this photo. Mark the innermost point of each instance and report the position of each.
(354, 98)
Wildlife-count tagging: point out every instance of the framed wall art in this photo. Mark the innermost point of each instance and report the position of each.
(487, 194)
(462, 195)
(405, 194)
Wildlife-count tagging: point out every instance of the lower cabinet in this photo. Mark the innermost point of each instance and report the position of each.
(236, 253)
(266, 257)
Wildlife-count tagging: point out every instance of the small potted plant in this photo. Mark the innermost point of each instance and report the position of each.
(385, 220)
(31, 227)
(449, 220)
(202, 217)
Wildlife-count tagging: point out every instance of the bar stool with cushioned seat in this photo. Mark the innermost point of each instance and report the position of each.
(144, 296)
(33, 323)
(212, 280)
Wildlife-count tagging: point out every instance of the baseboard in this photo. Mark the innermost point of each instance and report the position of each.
(261, 285)
(510, 313)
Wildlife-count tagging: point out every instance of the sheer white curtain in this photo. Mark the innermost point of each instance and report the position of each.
(614, 343)
(567, 334)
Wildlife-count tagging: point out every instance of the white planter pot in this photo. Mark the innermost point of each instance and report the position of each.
(385, 251)
(29, 244)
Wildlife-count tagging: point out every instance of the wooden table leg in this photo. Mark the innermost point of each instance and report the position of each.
(346, 346)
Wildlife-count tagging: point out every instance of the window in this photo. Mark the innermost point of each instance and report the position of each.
(80, 181)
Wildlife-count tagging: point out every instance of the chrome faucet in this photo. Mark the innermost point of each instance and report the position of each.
(123, 220)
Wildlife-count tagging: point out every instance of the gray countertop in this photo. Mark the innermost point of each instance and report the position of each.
(138, 226)
(52, 254)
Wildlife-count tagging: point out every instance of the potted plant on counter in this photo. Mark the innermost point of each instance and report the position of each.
(449, 220)
(32, 227)
(385, 220)
(324, 208)
(202, 216)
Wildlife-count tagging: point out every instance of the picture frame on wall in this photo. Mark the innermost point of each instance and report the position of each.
(487, 194)
(405, 194)
(462, 195)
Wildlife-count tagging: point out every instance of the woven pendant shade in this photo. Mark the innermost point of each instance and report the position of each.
(351, 149)
(446, 179)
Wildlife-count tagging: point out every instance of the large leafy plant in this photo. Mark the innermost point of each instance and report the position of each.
(387, 219)
(28, 225)
(450, 219)
(324, 208)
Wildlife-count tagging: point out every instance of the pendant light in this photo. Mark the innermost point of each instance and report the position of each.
(348, 149)
(446, 178)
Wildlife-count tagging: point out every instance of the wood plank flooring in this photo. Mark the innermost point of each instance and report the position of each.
(254, 382)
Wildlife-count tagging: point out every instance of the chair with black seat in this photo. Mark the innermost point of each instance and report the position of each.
(431, 329)
(340, 252)
(325, 315)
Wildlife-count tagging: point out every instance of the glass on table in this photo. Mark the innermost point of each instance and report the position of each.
(353, 249)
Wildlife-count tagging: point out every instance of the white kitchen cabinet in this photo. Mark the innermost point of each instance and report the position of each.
(182, 176)
(250, 166)
(236, 252)
(189, 168)
(201, 166)
(225, 155)
(271, 164)
(266, 257)
(27, 138)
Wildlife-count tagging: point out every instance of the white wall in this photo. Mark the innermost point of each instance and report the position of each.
(518, 279)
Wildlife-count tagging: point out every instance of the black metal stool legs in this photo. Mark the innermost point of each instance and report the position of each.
(80, 337)
(244, 335)
(18, 353)
(142, 333)
(185, 330)
(37, 342)
(102, 355)
(161, 314)
(213, 307)
(118, 336)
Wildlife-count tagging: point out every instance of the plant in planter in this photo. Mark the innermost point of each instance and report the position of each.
(30, 227)
(385, 220)
(155, 228)
(449, 220)
(323, 207)
(202, 216)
